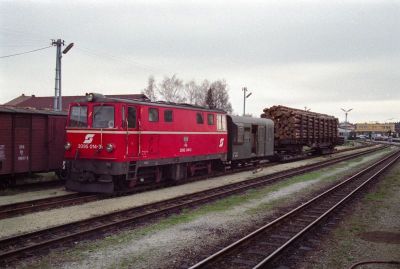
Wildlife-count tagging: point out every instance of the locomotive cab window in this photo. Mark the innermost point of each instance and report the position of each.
(131, 117)
(168, 116)
(103, 117)
(221, 122)
(199, 118)
(210, 119)
(78, 116)
(153, 114)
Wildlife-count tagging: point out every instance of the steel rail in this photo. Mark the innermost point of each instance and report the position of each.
(213, 259)
(347, 197)
(12, 245)
(10, 210)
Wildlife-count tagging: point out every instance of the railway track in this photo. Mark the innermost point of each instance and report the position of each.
(11, 210)
(18, 246)
(41, 185)
(261, 248)
(16, 209)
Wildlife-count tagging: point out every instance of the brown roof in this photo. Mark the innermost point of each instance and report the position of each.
(19, 110)
(47, 102)
(18, 100)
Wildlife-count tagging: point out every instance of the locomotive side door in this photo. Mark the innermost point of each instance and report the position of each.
(132, 129)
(261, 139)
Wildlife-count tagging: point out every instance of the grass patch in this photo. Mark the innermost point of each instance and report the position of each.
(378, 196)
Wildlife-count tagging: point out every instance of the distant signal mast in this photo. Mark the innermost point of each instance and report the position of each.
(57, 94)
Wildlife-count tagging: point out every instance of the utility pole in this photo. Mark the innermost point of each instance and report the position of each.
(57, 89)
(244, 89)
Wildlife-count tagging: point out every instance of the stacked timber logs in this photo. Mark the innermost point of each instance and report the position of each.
(302, 127)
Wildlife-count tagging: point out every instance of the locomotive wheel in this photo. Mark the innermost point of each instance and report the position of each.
(62, 174)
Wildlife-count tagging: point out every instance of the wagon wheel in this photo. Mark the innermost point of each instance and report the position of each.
(4, 184)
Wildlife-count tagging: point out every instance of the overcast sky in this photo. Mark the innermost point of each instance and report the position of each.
(325, 55)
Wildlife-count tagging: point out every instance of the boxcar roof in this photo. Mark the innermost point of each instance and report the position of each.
(11, 109)
(102, 98)
(251, 120)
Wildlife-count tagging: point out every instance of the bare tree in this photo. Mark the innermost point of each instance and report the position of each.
(195, 94)
(220, 95)
(171, 90)
(150, 90)
(202, 93)
(190, 90)
(210, 99)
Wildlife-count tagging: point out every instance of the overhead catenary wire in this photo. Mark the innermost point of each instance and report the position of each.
(124, 60)
(25, 52)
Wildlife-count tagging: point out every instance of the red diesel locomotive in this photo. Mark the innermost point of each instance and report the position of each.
(115, 144)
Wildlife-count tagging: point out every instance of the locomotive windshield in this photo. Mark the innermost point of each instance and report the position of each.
(78, 116)
(103, 117)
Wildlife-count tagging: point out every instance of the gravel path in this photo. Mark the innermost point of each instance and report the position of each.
(40, 220)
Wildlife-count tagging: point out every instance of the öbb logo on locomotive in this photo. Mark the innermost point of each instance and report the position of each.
(221, 142)
(88, 139)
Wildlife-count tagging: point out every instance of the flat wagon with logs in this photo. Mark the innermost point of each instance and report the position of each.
(296, 129)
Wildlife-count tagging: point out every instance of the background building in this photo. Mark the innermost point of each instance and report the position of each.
(346, 129)
(374, 129)
(47, 102)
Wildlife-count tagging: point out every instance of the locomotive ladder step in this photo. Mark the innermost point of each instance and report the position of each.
(132, 169)
(132, 165)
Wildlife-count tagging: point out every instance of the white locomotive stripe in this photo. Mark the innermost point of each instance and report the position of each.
(137, 132)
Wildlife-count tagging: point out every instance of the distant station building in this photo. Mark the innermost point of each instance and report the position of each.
(47, 102)
(397, 127)
(384, 129)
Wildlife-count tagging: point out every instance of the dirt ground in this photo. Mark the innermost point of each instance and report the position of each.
(181, 240)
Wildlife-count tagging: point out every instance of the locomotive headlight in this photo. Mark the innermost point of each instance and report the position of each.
(110, 147)
(67, 146)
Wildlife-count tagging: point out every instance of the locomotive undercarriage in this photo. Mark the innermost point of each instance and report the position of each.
(93, 176)
(108, 177)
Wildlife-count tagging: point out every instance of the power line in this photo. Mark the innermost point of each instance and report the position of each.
(106, 56)
(11, 55)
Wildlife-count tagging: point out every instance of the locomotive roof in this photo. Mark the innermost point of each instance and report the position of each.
(102, 98)
(20, 110)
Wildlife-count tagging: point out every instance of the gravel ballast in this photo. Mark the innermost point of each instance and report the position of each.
(41, 220)
(173, 243)
(370, 233)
